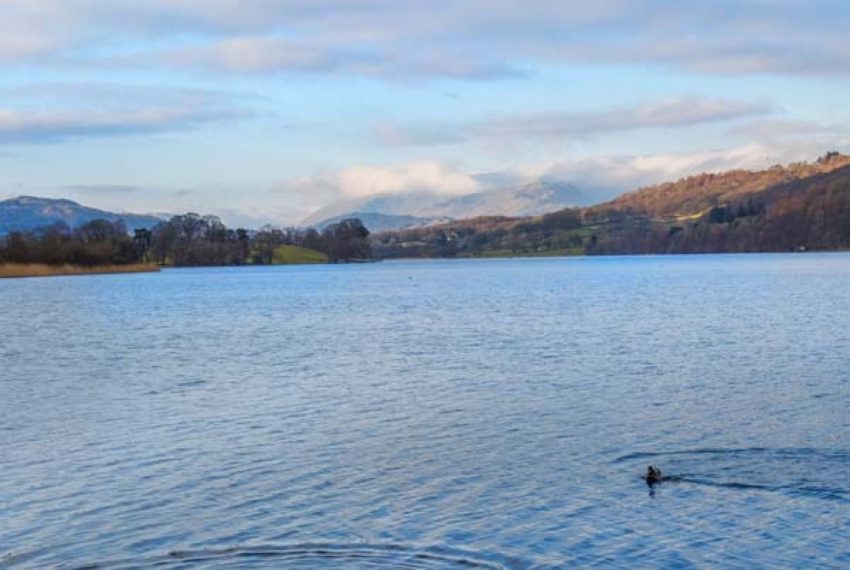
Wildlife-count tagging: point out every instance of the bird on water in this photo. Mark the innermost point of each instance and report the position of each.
(653, 475)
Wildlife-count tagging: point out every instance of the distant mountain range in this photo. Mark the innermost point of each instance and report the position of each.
(399, 211)
(27, 213)
(796, 207)
(378, 213)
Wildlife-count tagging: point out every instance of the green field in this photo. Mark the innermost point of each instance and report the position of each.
(291, 254)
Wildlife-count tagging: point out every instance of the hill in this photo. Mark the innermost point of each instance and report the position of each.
(424, 208)
(696, 194)
(802, 206)
(381, 222)
(27, 213)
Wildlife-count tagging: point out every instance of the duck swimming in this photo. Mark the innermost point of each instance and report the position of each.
(653, 475)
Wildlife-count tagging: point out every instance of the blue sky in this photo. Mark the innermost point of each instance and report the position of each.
(265, 110)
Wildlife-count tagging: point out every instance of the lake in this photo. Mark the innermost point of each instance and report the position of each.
(430, 414)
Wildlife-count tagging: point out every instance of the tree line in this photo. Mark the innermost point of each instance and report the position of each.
(183, 241)
(562, 231)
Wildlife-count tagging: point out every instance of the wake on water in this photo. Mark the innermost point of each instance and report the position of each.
(821, 473)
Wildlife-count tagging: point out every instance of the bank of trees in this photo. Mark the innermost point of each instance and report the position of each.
(98, 242)
(187, 240)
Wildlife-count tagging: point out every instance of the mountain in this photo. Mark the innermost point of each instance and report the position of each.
(26, 213)
(801, 206)
(381, 222)
(524, 200)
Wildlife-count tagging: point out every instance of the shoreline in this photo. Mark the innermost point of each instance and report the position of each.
(558, 254)
(28, 270)
(24, 270)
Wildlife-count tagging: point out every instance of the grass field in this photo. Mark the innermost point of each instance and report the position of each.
(43, 270)
(290, 254)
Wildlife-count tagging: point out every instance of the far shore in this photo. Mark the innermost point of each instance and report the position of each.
(12, 270)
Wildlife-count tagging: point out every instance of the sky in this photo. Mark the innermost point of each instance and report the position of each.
(263, 111)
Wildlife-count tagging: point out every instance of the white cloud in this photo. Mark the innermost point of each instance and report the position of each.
(360, 181)
(429, 176)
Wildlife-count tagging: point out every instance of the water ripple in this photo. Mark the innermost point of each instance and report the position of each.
(492, 413)
(804, 471)
(314, 555)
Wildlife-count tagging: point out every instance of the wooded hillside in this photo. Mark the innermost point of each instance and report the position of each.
(784, 208)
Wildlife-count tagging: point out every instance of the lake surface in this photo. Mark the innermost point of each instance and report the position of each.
(434, 414)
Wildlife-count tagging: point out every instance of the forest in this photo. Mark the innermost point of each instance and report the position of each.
(183, 241)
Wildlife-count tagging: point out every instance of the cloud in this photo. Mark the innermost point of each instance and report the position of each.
(102, 188)
(460, 39)
(17, 46)
(34, 29)
(253, 218)
(796, 55)
(431, 176)
(678, 112)
(264, 55)
(773, 129)
(360, 181)
(118, 95)
(255, 55)
(21, 127)
(622, 173)
(57, 111)
(392, 135)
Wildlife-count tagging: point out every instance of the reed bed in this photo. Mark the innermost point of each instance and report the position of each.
(8, 270)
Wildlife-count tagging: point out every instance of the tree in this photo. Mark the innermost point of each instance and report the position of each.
(312, 240)
(347, 240)
(142, 239)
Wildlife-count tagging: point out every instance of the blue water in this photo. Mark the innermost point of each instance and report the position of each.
(434, 414)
